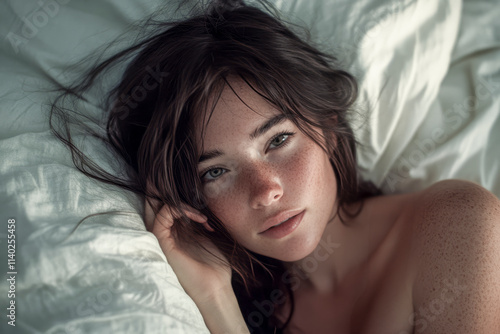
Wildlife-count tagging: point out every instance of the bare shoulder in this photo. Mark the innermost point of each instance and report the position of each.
(456, 246)
(464, 205)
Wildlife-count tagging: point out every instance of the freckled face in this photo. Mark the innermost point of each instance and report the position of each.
(258, 178)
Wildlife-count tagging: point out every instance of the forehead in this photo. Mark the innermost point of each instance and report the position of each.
(237, 112)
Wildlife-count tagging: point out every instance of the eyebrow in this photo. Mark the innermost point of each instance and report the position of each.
(259, 131)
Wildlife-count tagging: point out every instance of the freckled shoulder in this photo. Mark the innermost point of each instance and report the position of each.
(463, 205)
(456, 247)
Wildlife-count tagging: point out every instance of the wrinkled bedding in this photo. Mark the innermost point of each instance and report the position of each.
(429, 109)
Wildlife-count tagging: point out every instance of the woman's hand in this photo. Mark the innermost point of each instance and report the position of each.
(202, 278)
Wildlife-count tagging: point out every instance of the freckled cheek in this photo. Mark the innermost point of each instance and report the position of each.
(222, 198)
(304, 168)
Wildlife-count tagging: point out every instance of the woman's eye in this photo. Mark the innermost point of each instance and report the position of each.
(212, 174)
(280, 140)
(216, 172)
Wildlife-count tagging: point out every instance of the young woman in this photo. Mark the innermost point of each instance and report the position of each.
(236, 134)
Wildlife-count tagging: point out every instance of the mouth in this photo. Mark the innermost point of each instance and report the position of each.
(281, 223)
(285, 227)
(279, 218)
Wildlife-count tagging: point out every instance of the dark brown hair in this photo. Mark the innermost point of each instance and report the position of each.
(175, 77)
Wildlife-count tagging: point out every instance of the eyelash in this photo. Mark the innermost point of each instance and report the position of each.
(283, 144)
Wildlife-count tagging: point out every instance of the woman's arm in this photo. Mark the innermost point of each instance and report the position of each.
(207, 283)
(457, 247)
(222, 314)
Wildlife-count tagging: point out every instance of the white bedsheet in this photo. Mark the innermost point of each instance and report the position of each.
(429, 75)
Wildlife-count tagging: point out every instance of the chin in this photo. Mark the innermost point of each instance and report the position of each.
(300, 248)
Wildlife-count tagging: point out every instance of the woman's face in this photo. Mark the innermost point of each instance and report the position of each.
(256, 178)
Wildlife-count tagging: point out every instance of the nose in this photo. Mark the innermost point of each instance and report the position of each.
(266, 188)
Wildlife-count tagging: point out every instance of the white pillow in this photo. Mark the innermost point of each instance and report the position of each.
(460, 134)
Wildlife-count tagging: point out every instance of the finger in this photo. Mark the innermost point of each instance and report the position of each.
(199, 218)
(163, 221)
(208, 227)
(193, 213)
(166, 219)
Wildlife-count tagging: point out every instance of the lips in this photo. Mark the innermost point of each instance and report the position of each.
(279, 218)
(286, 228)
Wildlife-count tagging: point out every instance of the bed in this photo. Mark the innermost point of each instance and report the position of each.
(429, 109)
